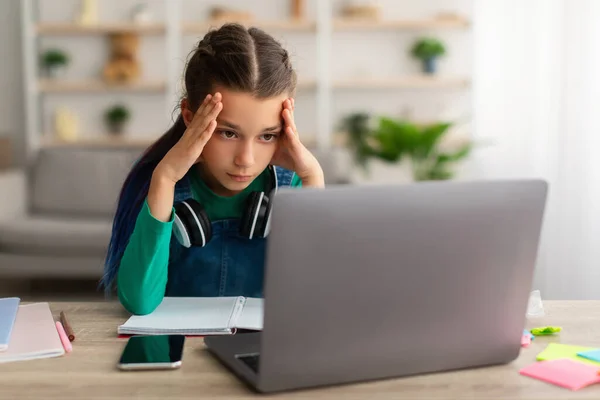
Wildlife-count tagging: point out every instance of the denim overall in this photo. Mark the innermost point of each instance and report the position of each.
(229, 264)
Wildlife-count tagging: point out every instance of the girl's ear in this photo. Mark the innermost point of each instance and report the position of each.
(188, 115)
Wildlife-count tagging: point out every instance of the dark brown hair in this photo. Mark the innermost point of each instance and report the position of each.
(232, 57)
(239, 59)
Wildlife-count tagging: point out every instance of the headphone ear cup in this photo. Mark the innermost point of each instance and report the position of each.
(180, 229)
(266, 219)
(191, 226)
(251, 221)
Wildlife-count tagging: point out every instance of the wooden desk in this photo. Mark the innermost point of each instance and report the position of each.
(90, 370)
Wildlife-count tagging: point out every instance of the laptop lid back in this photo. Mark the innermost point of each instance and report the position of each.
(368, 282)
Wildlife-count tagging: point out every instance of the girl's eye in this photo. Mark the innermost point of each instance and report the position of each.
(228, 134)
(269, 137)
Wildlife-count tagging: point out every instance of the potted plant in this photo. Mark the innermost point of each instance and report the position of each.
(428, 49)
(55, 62)
(116, 118)
(393, 141)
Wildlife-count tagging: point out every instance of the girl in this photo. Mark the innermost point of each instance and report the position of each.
(233, 143)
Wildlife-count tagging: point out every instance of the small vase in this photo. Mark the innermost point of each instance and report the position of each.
(430, 65)
(56, 72)
(116, 128)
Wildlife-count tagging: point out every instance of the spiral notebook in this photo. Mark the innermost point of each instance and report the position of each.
(198, 316)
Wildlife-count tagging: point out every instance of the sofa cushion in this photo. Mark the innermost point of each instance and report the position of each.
(55, 236)
(72, 181)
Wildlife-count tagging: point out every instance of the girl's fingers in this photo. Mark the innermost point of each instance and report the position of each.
(205, 137)
(215, 99)
(212, 116)
(287, 104)
(201, 110)
(210, 113)
(199, 122)
(293, 140)
(206, 100)
(289, 120)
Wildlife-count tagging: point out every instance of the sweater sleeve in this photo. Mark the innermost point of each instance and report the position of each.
(143, 272)
(296, 181)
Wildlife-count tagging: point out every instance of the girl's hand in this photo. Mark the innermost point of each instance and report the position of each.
(186, 152)
(293, 155)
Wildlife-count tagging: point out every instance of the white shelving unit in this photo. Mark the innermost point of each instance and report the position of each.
(323, 87)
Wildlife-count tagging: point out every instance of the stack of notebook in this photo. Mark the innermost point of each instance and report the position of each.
(27, 332)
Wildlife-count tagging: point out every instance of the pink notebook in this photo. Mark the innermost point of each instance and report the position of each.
(34, 335)
(563, 372)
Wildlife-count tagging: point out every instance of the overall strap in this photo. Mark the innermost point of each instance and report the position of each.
(183, 189)
(284, 176)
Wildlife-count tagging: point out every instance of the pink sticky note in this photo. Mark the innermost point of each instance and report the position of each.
(525, 340)
(563, 372)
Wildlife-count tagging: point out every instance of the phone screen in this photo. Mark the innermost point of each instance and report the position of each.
(155, 350)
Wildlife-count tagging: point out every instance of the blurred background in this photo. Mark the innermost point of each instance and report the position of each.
(390, 91)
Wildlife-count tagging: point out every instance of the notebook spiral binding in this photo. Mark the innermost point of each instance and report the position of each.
(235, 313)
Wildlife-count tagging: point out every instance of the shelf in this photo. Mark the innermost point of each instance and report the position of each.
(98, 86)
(106, 141)
(306, 84)
(408, 82)
(282, 25)
(408, 24)
(99, 142)
(104, 28)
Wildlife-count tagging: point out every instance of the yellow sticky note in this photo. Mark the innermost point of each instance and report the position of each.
(555, 351)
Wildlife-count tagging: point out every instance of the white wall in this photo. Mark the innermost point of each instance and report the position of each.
(11, 94)
(537, 98)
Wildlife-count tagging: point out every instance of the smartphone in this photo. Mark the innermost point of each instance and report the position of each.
(152, 352)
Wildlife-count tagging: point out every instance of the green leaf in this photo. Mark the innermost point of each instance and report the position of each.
(388, 146)
(429, 139)
(428, 47)
(397, 136)
(461, 154)
(356, 126)
(440, 174)
(54, 57)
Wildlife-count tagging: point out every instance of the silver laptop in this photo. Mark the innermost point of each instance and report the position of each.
(373, 282)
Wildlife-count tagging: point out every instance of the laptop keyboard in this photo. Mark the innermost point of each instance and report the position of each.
(251, 360)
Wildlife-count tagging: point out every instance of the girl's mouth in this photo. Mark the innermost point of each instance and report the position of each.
(240, 178)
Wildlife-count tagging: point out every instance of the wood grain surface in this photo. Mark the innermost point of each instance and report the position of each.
(90, 371)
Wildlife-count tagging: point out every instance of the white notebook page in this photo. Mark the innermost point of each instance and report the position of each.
(186, 314)
(252, 316)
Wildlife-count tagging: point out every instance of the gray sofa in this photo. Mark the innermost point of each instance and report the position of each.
(55, 220)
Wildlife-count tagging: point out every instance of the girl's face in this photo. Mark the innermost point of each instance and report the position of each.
(243, 143)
